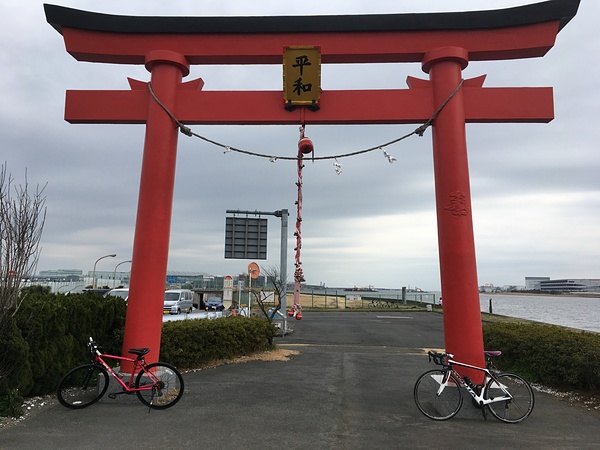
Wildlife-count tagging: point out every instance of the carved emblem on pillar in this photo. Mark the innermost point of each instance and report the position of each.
(457, 205)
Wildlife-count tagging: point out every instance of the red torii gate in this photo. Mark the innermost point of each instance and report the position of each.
(443, 43)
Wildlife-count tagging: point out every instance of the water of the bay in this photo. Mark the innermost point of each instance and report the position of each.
(575, 312)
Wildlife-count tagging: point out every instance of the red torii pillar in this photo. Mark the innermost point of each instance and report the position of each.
(443, 43)
(458, 268)
(153, 224)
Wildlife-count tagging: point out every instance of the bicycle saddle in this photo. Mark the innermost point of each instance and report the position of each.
(492, 352)
(139, 351)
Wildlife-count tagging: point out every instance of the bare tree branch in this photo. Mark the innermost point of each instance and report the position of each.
(22, 218)
(273, 278)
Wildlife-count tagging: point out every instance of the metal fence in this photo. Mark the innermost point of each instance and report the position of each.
(342, 299)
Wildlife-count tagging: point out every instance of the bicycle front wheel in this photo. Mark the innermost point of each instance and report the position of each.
(161, 385)
(437, 394)
(519, 406)
(82, 386)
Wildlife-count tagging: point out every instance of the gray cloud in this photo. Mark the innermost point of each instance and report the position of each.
(535, 187)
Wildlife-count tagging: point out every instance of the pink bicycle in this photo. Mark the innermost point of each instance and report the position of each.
(158, 385)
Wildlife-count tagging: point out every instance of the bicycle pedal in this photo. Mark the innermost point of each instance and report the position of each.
(112, 396)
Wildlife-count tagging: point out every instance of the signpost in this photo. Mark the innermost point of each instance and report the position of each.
(246, 238)
(228, 289)
(253, 273)
(283, 215)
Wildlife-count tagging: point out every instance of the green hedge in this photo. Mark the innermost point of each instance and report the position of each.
(557, 357)
(47, 337)
(192, 343)
(56, 329)
(15, 369)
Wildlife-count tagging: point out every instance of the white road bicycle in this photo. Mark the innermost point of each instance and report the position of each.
(438, 393)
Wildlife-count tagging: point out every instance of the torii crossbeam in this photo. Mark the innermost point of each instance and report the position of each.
(444, 43)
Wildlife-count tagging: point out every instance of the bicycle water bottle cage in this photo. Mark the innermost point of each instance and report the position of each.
(469, 382)
(139, 351)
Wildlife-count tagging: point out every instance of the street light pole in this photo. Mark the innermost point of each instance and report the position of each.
(94, 273)
(115, 273)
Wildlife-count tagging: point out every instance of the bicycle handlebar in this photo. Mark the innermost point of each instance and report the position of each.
(439, 358)
(93, 347)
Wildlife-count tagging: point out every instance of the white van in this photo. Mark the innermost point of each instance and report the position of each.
(177, 301)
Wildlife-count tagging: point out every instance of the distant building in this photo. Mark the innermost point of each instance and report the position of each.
(570, 285)
(533, 283)
(194, 279)
(512, 288)
(61, 275)
(488, 287)
(110, 278)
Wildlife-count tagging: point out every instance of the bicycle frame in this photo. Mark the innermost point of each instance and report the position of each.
(488, 375)
(138, 365)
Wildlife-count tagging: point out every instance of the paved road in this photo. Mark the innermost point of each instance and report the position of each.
(349, 388)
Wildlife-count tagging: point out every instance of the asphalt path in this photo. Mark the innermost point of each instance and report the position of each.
(350, 387)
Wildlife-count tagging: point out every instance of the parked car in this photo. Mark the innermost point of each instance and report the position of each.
(119, 292)
(178, 300)
(215, 303)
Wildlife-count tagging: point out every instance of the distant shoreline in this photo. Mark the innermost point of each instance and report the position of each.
(545, 294)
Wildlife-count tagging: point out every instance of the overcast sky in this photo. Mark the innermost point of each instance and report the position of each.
(535, 187)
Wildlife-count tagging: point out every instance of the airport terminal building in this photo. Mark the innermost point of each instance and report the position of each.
(562, 285)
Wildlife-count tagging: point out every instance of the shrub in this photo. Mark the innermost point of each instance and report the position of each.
(192, 343)
(56, 329)
(15, 370)
(557, 357)
(10, 404)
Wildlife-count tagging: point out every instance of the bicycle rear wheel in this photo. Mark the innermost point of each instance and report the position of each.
(435, 402)
(82, 386)
(516, 409)
(164, 383)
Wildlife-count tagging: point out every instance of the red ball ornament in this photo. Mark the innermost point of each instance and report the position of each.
(305, 145)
